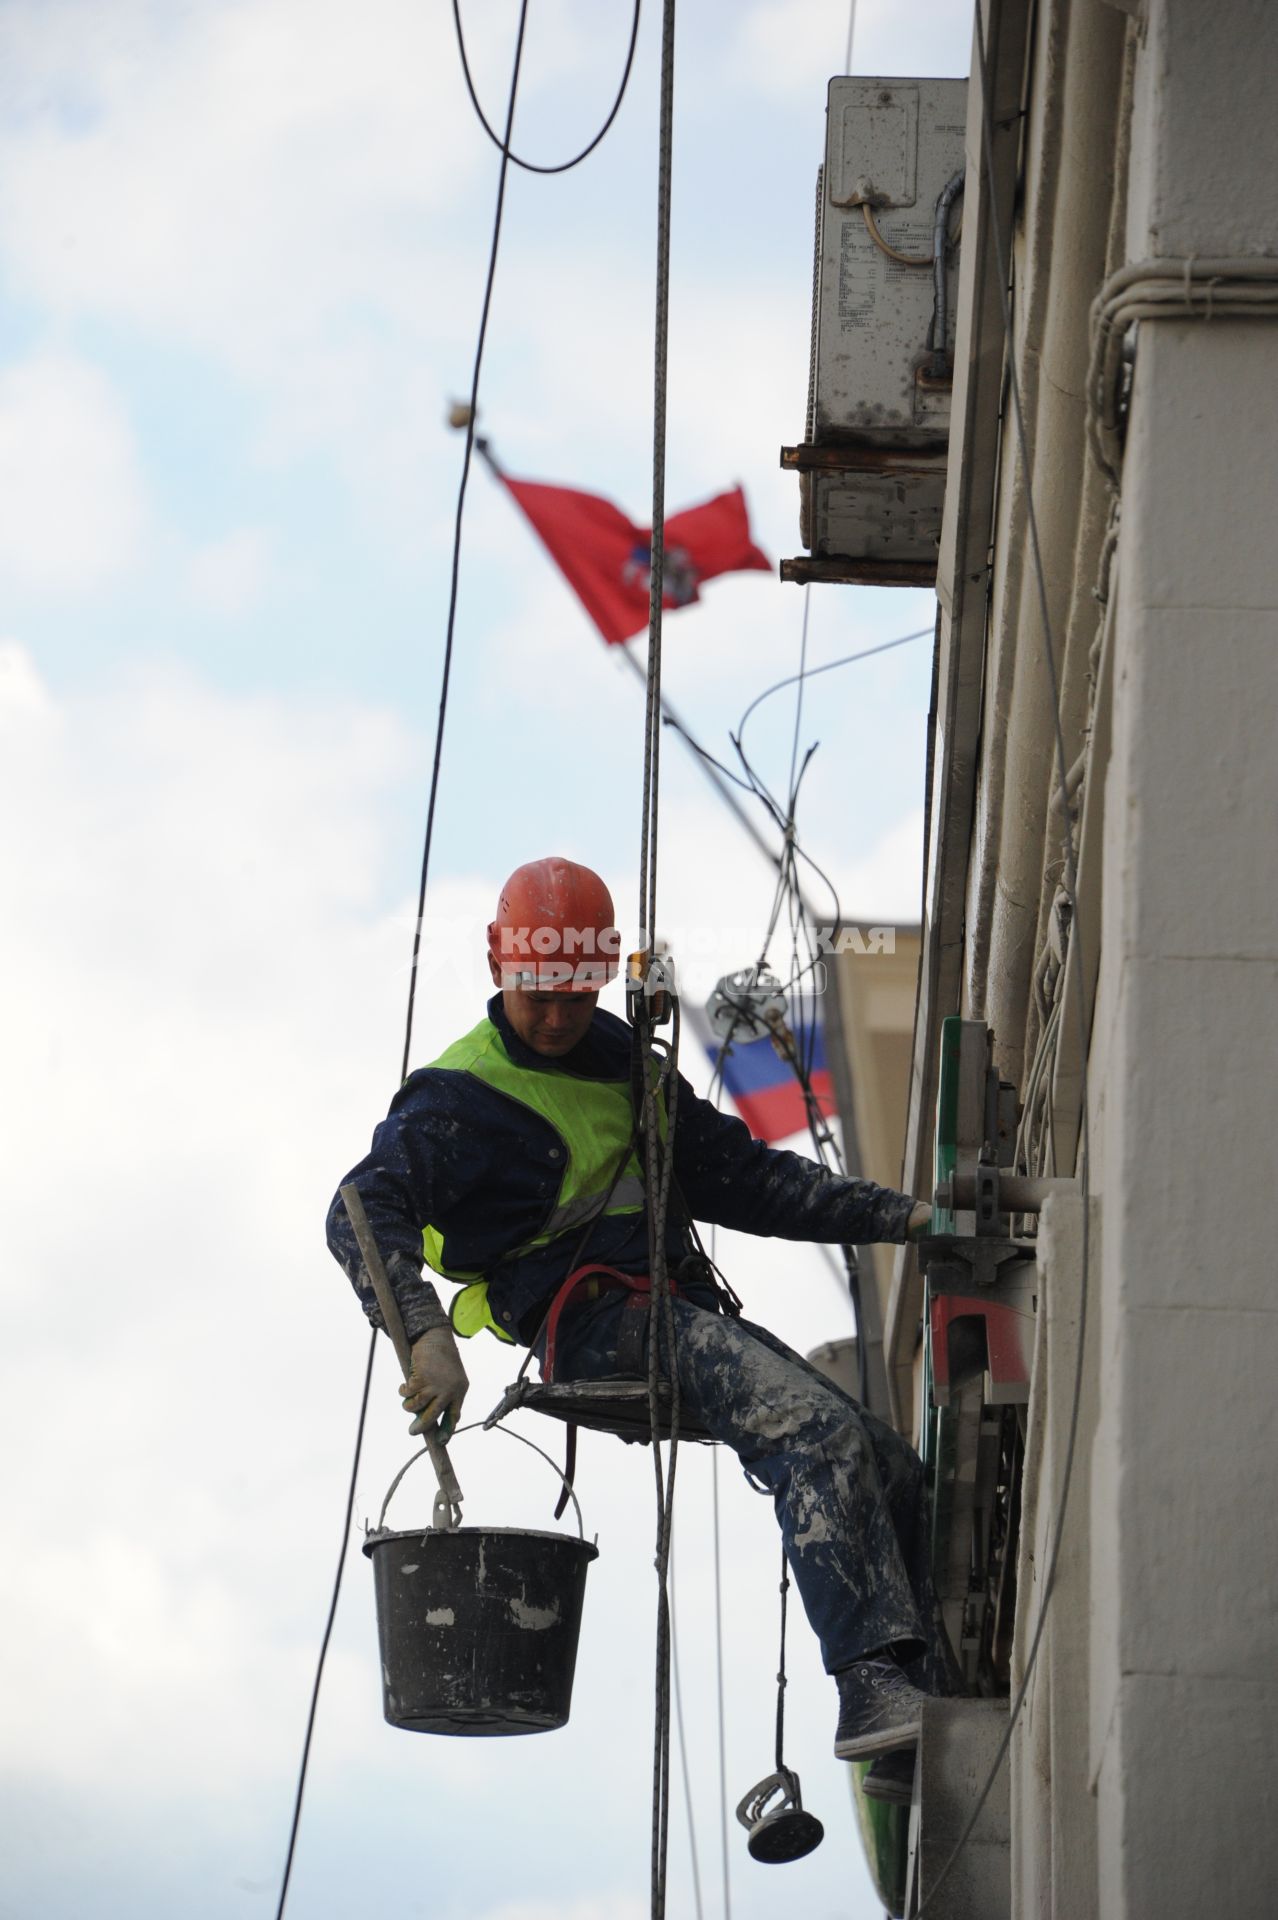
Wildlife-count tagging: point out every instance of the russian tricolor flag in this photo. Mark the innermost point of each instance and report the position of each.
(764, 1086)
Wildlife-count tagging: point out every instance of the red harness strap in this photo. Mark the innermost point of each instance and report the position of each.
(591, 1280)
(594, 1279)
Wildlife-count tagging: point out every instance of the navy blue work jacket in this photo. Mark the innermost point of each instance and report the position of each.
(454, 1154)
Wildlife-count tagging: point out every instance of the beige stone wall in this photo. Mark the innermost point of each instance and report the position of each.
(1142, 1768)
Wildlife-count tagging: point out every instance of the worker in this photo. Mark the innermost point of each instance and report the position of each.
(511, 1163)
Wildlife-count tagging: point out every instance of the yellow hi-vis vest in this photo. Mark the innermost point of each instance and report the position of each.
(594, 1121)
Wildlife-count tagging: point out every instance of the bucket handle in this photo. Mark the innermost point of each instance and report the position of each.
(448, 1501)
(510, 1435)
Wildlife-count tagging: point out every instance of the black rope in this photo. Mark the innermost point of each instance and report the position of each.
(781, 1679)
(503, 146)
(684, 1769)
(412, 985)
(457, 534)
(328, 1628)
(657, 538)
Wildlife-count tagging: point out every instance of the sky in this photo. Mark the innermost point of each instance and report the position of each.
(242, 247)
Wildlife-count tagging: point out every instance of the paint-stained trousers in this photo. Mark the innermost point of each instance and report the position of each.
(848, 1491)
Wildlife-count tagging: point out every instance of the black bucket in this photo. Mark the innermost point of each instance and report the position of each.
(478, 1627)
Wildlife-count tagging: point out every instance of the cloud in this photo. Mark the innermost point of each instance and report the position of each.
(266, 155)
(230, 575)
(195, 877)
(787, 47)
(272, 185)
(76, 514)
(203, 989)
(612, 1905)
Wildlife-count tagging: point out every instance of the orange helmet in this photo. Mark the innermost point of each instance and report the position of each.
(554, 929)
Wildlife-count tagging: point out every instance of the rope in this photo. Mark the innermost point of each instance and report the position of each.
(781, 1679)
(457, 534)
(683, 1745)
(718, 1667)
(503, 146)
(361, 1422)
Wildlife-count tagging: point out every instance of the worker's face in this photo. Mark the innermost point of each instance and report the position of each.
(549, 1023)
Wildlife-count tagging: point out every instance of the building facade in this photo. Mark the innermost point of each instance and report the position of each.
(1101, 895)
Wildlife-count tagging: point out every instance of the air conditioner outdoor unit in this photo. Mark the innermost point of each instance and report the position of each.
(889, 211)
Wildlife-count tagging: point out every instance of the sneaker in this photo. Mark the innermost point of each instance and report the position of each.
(891, 1777)
(879, 1710)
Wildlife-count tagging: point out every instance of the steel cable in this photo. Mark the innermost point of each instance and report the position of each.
(304, 1763)
(658, 1152)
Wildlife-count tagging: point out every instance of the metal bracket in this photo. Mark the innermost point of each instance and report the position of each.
(854, 570)
(650, 980)
(989, 1190)
(512, 1398)
(969, 1263)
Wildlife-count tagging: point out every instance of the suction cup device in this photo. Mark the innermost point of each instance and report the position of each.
(746, 1005)
(784, 1833)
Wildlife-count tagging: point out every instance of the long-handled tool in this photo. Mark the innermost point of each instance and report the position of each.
(447, 1510)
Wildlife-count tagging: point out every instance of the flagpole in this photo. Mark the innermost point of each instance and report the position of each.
(707, 766)
(709, 769)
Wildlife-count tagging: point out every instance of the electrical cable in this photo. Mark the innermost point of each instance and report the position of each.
(801, 680)
(503, 147)
(328, 1629)
(304, 1763)
(457, 534)
(1073, 956)
(1171, 288)
(806, 1025)
(657, 537)
(884, 646)
(825, 1146)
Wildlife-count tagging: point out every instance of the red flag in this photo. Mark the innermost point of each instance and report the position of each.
(605, 558)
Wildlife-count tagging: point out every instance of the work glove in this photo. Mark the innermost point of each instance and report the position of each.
(437, 1385)
(919, 1222)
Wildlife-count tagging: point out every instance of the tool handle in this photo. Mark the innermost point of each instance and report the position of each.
(394, 1324)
